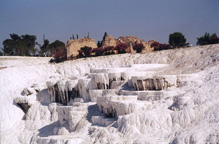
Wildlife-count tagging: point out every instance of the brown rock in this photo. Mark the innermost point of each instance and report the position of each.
(150, 42)
(129, 40)
(74, 45)
(109, 41)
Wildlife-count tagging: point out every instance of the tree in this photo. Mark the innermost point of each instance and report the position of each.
(29, 42)
(207, 39)
(60, 55)
(55, 47)
(19, 45)
(177, 40)
(73, 37)
(44, 49)
(49, 49)
(105, 34)
(15, 37)
(99, 44)
(8, 48)
(1, 53)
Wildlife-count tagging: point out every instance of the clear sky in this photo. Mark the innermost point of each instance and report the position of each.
(146, 19)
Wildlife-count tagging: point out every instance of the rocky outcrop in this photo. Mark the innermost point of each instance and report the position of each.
(109, 41)
(74, 45)
(129, 40)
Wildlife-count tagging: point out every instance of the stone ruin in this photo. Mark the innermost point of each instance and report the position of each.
(74, 45)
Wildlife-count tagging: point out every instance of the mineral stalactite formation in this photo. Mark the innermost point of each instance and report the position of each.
(102, 86)
(24, 106)
(62, 91)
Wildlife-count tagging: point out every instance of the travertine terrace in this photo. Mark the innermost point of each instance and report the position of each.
(160, 97)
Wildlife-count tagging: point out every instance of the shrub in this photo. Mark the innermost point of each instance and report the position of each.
(177, 40)
(98, 51)
(80, 54)
(85, 51)
(159, 46)
(155, 45)
(164, 46)
(60, 56)
(121, 48)
(138, 47)
(108, 50)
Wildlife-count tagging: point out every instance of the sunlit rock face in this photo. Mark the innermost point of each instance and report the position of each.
(129, 40)
(74, 45)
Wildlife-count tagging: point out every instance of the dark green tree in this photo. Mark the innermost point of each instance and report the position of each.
(207, 39)
(19, 45)
(29, 42)
(55, 47)
(8, 48)
(1, 53)
(15, 37)
(177, 40)
(44, 49)
(60, 55)
(105, 34)
(99, 44)
(203, 40)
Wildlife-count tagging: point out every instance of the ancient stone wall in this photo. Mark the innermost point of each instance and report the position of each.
(74, 45)
(129, 40)
(109, 41)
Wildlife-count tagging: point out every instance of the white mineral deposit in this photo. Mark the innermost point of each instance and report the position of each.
(163, 97)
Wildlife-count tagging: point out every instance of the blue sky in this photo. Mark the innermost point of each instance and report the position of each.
(146, 19)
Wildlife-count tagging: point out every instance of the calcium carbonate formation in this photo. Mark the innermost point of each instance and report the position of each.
(162, 97)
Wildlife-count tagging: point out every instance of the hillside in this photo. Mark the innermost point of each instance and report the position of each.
(117, 100)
